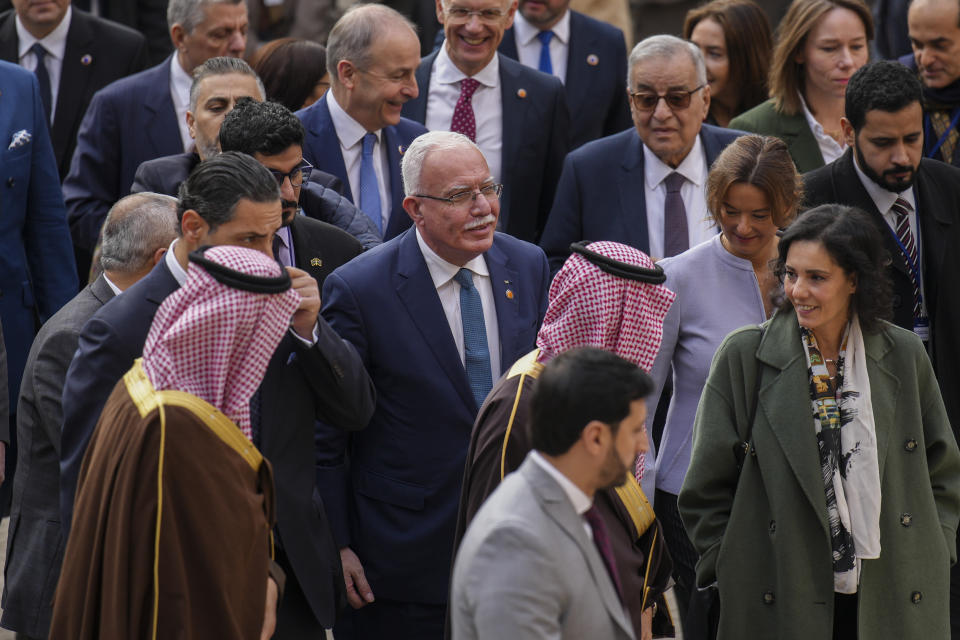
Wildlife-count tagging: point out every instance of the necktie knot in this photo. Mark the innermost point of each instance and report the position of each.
(369, 141)
(40, 51)
(545, 37)
(467, 87)
(674, 181)
(901, 208)
(464, 278)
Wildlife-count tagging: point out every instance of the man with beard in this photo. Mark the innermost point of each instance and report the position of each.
(536, 561)
(912, 200)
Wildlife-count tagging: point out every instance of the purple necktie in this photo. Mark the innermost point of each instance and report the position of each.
(675, 238)
(602, 541)
(463, 120)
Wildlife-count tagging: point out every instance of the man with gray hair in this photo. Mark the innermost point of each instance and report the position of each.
(645, 188)
(435, 314)
(144, 116)
(136, 234)
(355, 130)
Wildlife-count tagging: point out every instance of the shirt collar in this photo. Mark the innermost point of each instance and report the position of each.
(175, 269)
(349, 131)
(54, 42)
(881, 197)
(693, 167)
(113, 287)
(445, 72)
(526, 32)
(814, 124)
(441, 271)
(581, 502)
(180, 81)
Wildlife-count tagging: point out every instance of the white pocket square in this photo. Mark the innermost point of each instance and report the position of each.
(19, 139)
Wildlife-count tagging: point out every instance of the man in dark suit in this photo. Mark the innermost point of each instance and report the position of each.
(435, 314)
(136, 234)
(645, 188)
(355, 130)
(312, 375)
(517, 116)
(144, 116)
(912, 201)
(82, 54)
(589, 56)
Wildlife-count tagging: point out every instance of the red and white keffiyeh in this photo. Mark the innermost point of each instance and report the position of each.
(214, 341)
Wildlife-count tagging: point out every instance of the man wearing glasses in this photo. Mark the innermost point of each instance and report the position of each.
(436, 314)
(645, 188)
(517, 116)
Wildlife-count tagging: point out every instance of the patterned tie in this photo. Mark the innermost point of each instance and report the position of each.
(475, 351)
(675, 238)
(545, 64)
(602, 542)
(901, 209)
(43, 77)
(940, 120)
(463, 120)
(369, 189)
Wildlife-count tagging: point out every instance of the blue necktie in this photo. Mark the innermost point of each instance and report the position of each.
(369, 189)
(43, 77)
(545, 65)
(476, 353)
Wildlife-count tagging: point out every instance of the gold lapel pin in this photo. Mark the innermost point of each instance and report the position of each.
(316, 262)
(593, 60)
(402, 149)
(521, 93)
(86, 59)
(509, 294)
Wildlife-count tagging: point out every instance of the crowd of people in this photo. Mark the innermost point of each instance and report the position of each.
(320, 324)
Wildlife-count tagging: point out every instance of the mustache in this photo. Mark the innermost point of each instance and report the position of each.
(485, 220)
(899, 168)
(288, 204)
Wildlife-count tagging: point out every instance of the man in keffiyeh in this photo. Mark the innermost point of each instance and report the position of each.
(174, 508)
(610, 296)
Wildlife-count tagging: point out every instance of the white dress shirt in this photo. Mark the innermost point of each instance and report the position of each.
(444, 92)
(829, 147)
(180, 82)
(448, 289)
(113, 287)
(580, 501)
(884, 200)
(350, 133)
(528, 45)
(55, 43)
(700, 225)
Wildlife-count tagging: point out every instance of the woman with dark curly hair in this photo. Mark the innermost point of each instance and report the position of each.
(824, 488)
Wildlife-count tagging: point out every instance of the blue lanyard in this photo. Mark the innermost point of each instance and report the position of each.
(928, 133)
(914, 267)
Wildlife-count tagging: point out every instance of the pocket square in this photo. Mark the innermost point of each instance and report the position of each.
(19, 139)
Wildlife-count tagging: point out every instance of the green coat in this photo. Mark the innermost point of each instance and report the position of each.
(793, 130)
(766, 541)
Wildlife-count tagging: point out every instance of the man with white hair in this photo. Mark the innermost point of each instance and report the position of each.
(645, 188)
(435, 314)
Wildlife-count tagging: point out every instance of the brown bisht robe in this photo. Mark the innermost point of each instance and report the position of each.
(498, 444)
(171, 529)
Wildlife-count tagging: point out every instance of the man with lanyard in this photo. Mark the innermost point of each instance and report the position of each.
(912, 200)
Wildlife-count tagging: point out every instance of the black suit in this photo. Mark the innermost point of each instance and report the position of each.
(149, 17)
(98, 52)
(326, 381)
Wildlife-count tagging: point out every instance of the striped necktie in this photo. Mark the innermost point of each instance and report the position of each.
(901, 209)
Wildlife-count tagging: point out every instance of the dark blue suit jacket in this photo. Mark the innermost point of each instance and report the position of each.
(37, 272)
(596, 78)
(536, 138)
(127, 123)
(601, 194)
(395, 503)
(321, 148)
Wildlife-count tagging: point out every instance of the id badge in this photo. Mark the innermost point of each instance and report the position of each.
(921, 327)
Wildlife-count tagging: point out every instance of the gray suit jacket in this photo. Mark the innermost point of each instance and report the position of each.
(528, 569)
(35, 542)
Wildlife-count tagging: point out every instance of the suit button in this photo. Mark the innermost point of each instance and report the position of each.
(11, 182)
(773, 526)
(906, 519)
(768, 598)
(910, 445)
(916, 597)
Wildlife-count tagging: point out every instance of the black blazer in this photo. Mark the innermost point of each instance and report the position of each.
(937, 192)
(326, 381)
(98, 52)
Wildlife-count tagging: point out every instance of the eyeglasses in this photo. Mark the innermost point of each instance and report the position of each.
(490, 192)
(298, 175)
(462, 14)
(676, 100)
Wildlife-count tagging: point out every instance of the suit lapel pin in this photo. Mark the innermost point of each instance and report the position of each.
(86, 59)
(316, 262)
(401, 148)
(593, 60)
(509, 294)
(521, 93)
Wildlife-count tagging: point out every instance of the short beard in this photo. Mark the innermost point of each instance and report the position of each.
(206, 149)
(897, 186)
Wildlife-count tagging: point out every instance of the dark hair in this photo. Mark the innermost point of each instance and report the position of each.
(290, 68)
(579, 386)
(216, 185)
(853, 241)
(260, 127)
(886, 85)
(749, 41)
